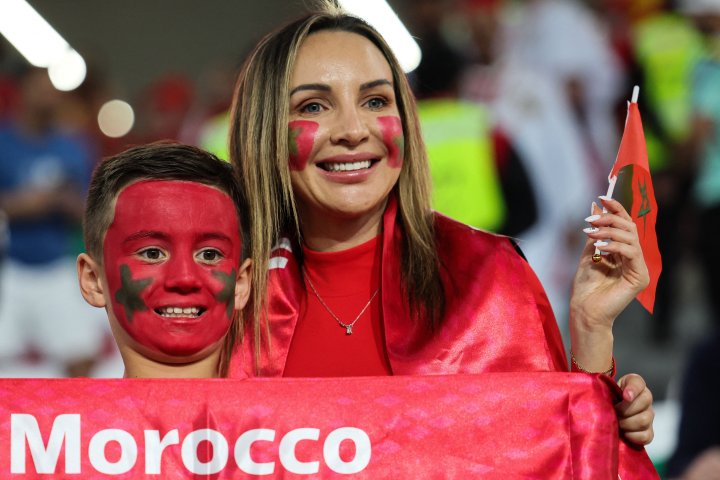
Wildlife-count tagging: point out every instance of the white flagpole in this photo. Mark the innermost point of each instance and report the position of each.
(612, 180)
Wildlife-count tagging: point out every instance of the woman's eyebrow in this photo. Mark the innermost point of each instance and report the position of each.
(375, 83)
(310, 86)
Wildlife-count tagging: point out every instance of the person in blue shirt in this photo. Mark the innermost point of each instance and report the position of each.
(44, 172)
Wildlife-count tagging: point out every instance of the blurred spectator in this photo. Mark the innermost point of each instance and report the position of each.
(705, 144)
(666, 49)
(565, 41)
(43, 173)
(457, 132)
(164, 107)
(697, 456)
(213, 101)
(533, 110)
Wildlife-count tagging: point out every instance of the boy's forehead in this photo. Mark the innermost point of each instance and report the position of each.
(179, 199)
(154, 187)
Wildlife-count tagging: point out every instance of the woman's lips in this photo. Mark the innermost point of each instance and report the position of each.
(348, 168)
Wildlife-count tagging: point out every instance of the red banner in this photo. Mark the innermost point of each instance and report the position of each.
(491, 426)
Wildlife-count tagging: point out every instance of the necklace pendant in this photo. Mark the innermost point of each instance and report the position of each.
(348, 329)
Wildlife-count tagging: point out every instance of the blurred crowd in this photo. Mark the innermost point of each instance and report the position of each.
(522, 106)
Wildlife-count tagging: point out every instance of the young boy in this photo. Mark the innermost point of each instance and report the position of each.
(163, 229)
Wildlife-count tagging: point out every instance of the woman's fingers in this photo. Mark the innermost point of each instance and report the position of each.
(613, 206)
(635, 411)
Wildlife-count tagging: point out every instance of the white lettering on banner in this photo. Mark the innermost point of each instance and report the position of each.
(66, 433)
(331, 450)
(287, 451)
(154, 448)
(25, 427)
(128, 451)
(242, 451)
(220, 452)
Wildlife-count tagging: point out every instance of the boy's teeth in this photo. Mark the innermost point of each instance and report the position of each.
(180, 311)
(347, 167)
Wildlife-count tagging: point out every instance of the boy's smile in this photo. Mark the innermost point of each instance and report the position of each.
(171, 257)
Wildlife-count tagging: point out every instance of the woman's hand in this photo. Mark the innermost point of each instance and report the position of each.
(635, 411)
(602, 290)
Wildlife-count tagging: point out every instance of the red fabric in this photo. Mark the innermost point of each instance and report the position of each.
(497, 319)
(451, 427)
(346, 281)
(644, 207)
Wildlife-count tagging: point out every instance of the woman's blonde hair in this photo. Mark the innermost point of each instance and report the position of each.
(259, 149)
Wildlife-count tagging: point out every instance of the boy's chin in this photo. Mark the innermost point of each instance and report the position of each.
(179, 353)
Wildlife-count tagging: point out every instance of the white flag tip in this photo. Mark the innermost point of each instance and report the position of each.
(635, 94)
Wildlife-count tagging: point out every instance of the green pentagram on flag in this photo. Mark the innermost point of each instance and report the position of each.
(644, 204)
(128, 295)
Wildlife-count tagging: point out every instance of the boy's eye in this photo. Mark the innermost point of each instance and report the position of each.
(210, 255)
(152, 254)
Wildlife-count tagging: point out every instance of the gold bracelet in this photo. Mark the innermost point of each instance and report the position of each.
(609, 371)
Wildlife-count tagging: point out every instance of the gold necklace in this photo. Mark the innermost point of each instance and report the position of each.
(347, 326)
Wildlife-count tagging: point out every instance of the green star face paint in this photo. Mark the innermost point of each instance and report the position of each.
(170, 257)
(301, 138)
(392, 133)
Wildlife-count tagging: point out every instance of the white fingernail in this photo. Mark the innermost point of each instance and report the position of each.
(604, 197)
(593, 206)
(592, 218)
(590, 230)
(601, 243)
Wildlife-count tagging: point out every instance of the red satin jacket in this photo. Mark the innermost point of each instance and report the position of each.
(497, 316)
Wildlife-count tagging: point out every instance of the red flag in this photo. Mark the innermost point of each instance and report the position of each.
(644, 207)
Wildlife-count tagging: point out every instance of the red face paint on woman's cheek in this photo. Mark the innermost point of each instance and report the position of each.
(181, 219)
(301, 138)
(392, 133)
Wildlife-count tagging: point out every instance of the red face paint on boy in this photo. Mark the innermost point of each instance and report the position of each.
(301, 139)
(170, 257)
(393, 138)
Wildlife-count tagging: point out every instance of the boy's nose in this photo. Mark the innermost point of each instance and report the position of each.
(183, 276)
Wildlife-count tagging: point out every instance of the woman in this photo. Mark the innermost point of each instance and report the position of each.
(364, 278)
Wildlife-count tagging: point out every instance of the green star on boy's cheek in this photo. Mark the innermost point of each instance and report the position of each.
(128, 295)
(293, 134)
(227, 294)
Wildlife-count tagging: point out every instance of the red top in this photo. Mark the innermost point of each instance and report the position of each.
(320, 346)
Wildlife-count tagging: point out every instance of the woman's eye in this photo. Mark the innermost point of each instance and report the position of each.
(313, 107)
(152, 254)
(210, 255)
(376, 103)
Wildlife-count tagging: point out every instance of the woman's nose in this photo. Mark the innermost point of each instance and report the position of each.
(350, 126)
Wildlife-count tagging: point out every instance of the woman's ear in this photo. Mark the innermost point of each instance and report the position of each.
(90, 279)
(242, 284)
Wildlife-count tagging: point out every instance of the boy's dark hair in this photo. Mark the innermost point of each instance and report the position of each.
(155, 161)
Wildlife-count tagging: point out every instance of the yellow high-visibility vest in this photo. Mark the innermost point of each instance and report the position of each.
(466, 185)
(667, 47)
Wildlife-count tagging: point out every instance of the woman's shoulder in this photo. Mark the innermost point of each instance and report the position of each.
(452, 235)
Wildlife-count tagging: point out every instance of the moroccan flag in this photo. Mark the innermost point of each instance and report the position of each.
(643, 209)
